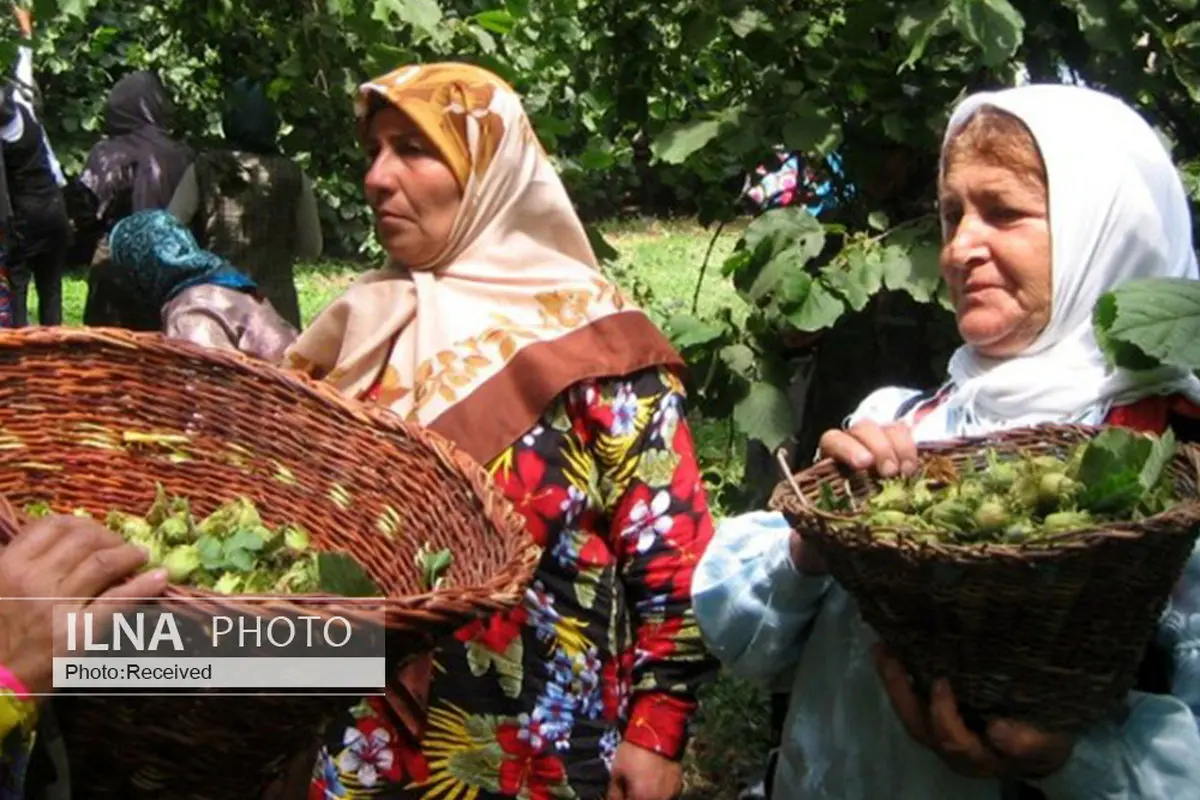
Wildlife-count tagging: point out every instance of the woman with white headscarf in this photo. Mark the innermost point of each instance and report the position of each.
(1050, 196)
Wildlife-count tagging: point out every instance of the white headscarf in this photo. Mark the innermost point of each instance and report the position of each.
(1118, 211)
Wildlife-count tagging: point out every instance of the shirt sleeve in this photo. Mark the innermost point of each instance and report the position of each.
(1153, 749)
(308, 224)
(660, 525)
(24, 74)
(193, 324)
(186, 200)
(754, 607)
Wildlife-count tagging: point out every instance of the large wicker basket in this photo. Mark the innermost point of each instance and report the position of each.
(1050, 633)
(358, 478)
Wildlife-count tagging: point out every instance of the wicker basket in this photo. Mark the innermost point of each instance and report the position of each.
(1052, 633)
(358, 478)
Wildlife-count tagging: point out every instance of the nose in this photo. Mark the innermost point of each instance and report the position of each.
(967, 246)
(380, 180)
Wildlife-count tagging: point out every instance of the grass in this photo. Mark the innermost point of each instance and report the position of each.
(659, 260)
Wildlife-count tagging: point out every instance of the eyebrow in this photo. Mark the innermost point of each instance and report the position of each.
(1016, 193)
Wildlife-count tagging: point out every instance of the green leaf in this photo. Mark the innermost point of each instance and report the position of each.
(820, 309)
(749, 21)
(237, 558)
(212, 554)
(1119, 354)
(596, 159)
(993, 25)
(918, 24)
(793, 287)
(793, 227)
(76, 8)
(423, 15)
(1119, 467)
(341, 574)
(740, 360)
(499, 21)
(678, 142)
(246, 540)
(433, 565)
(487, 42)
(911, 267)
(878, 220)
(811, 129)
(687, 331)
(1158, 317)
(1160, 456)
(1093, 17)
(1185, 58)
(766, 415)
(849, 286)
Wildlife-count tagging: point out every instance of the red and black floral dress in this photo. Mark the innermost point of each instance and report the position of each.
(533, 703)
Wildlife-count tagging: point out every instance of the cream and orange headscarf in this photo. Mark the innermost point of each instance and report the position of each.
(478, 342)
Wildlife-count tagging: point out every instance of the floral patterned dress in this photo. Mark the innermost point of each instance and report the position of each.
(533, 703)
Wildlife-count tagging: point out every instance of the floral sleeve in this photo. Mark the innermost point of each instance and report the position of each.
(659, 524)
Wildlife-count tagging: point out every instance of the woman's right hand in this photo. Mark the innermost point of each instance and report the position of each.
(888, 449)
(75, 560)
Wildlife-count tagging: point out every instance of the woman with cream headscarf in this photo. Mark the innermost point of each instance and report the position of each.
(1050, 196)
(493, 326)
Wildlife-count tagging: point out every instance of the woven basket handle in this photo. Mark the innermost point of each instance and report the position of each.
(781, 457)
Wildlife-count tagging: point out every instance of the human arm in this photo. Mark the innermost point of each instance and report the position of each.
(309, 242)
(754, 607)
(659, 524)
(186, 200)
(54, 565)
(193, 323)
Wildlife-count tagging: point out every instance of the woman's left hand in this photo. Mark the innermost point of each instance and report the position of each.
(638, 774)
(1010, 749)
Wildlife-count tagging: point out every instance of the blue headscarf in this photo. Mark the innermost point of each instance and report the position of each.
(154, 257)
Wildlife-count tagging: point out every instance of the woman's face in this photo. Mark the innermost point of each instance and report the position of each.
(996, 254)
(413, 193)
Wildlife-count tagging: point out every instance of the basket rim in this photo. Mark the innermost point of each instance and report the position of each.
(497, 508)
(1185, 510)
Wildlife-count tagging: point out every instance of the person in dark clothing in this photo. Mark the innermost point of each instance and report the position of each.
(136, 167)
(39, 227)
(249, 203)
(36, 231)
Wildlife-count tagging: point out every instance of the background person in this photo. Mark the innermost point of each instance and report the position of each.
(250, 204)
(163, 280)
(39, 229)
(136, 167)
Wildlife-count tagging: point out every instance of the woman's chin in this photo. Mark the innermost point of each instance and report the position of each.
(987, 338)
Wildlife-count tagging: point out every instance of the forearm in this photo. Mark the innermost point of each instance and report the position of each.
(754, 607)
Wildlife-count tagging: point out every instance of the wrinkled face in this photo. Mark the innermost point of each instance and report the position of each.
(413, 193)
(996, 255)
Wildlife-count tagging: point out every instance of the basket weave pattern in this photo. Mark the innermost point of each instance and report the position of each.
(1053, 635)
(76, 408)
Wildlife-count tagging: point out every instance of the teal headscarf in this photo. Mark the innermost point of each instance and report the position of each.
(249, 122)
(154, 258)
